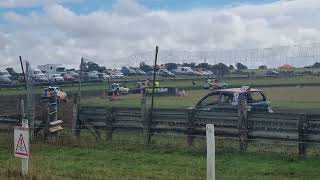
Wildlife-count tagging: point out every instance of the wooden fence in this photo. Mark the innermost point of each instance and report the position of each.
(301, 129)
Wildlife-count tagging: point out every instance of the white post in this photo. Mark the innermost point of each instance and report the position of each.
(210, 152)
(25, 161)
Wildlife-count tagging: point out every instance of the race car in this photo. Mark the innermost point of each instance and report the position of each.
(228, 98)
(117, 88)
(214, 84)
(52, 91)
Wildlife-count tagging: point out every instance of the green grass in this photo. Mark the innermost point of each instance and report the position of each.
(305, 98)
(185, 84)
(131, 161)
(167, 157)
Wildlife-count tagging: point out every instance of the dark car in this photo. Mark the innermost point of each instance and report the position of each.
(272, 73)
(128, 71)
(165, 73)
(150, 73)
(229, 98)
(137, 88)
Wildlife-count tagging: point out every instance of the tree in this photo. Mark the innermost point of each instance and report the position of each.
(231, 67)
(192, 65)
(316, 65)
(220, 69)
(203, 65)
(263, 67)
(171, 66)
(91, 66)
(102, 69)
(144, 67)
(241, 66)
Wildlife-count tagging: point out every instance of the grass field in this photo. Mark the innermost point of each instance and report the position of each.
(187, 83)
(131, 161)
(281, 98)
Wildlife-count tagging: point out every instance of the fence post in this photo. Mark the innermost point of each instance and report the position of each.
(21, 110)
(243, 123)
(75, 116)
(210, 152)
(110, 119)
(190, 126)
(302, 133)
(145, 119)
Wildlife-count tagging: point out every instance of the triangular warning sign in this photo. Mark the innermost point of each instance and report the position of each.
(21, 147)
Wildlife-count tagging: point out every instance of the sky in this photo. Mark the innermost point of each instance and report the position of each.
(119, 32)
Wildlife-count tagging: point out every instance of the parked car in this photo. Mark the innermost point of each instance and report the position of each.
(272, 73)
(206, 73)
(114, 75)
(184, 70)
(41, 78)
(54, 91)
(56, 78)
(140, 72)
(38, 76)
(73, 74)
(117, 87)
(228, 98)
(68, 77)
(104, 76)
(92, 75)
(128, 71)
(165, 73)
(214, 84)
(150, 73)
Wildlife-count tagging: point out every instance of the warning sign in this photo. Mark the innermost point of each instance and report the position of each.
(21, 142)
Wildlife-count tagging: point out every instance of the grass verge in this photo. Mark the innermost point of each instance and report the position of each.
(167, 157)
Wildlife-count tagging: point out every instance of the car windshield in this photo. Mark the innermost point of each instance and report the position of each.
(255, 96)
(49, 90)
(60, 69)
(217, 98)
(114, 86)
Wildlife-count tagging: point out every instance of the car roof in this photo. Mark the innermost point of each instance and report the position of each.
(238, 90)
(51, 87)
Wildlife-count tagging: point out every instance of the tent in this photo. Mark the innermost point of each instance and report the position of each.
(286, 66)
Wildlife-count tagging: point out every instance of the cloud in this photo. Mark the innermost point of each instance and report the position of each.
(31, 3)
(59, 35)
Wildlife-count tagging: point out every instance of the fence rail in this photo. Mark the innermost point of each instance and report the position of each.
(247, 126)
(237, 122)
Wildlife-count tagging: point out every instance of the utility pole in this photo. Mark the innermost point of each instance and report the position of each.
(80, 77)
(153, 86)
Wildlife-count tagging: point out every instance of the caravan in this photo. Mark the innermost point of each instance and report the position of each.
(5, 77)
(52, 68)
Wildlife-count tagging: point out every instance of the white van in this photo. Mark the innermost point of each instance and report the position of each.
(39, 76)
(184, 70)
